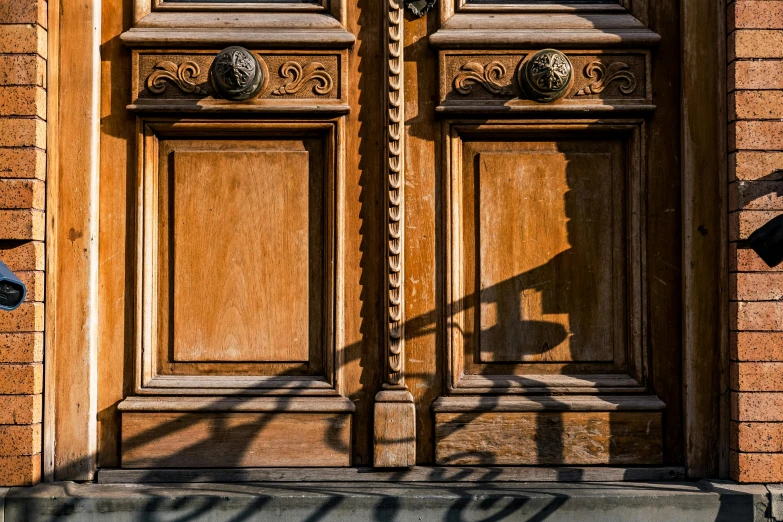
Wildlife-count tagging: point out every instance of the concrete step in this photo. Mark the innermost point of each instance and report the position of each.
(711, 501)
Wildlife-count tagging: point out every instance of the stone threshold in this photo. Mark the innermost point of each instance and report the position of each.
(706, 500)
(414, 474)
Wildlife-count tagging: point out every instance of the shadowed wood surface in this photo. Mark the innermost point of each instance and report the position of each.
(240, 257)
(548, 438)
(545, 256)
(208, 440)
(394, 444)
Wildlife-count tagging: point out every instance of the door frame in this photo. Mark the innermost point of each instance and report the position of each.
(73, 116)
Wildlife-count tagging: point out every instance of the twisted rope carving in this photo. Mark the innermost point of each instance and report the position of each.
(395, 174)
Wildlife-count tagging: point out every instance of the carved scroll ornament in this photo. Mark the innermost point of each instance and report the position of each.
(488, 76)
(604, 75)
(297, 77)
(182, 76)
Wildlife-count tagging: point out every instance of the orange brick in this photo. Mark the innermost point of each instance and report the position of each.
(754, 105)
(20, 471)
(21, 409)
(23, 163)
(23, 193)
(23, 132)
(757, 406)
(749, 166)
(24, 347)
(744, 222)
(19, 440)
(757, 467)
(29, 317)
(22, 69)
(757, 436)
(35, 284)
(22, 224)
(756, 74)
(757, 376)
(748, 195)
(746, 260)
(23, 11)
(755, 15)
(756, 287)
(21, 379)
(23, 39)
(757, 346)
(23, 101)
(756, 135)
(754, 43)
(761, 316)
(29, 255)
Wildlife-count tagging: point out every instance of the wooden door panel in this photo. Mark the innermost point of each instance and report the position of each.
(241, 440)
(570, 438)
(239, 219)
(545, 263)
(240, 259)
(545, 255)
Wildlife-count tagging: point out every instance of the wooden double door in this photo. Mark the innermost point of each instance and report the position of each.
(359, 233)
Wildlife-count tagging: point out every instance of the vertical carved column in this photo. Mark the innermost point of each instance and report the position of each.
(395, 415)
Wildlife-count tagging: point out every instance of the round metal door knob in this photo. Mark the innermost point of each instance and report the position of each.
(237, 74)
(546, 76)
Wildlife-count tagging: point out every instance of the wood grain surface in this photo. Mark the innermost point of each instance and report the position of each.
(208, 440)
(240, 260)
(548, 438)
(545, 256)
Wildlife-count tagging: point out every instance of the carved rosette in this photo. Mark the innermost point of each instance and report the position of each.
(237, 74)
(395, 180)
(297, 77)
(546, 76)
(183, 76)
(602, 75)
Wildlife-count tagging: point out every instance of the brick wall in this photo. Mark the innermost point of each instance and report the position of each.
(755, 86)
(23, 52)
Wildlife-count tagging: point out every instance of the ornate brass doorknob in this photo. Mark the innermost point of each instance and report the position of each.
(546, 76)
(237, 74)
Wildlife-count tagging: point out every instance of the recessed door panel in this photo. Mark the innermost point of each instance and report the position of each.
(241, 257)
(545, 265)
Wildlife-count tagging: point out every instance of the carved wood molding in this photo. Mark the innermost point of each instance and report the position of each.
(395, 178)
(183, 76)
(298, 76)
(184, 80)
(488, 76)
(604, 75)
(481, 81)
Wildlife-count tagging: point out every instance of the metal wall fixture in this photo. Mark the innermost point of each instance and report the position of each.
(237, 74)
(420, 7)
(546, 76)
